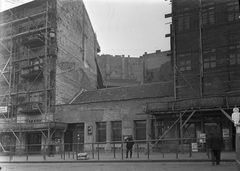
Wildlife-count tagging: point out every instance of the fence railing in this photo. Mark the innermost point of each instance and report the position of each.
(115, 149)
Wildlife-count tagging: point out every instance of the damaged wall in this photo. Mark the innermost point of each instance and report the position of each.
(77, 49)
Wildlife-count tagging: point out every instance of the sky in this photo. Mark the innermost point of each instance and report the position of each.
(125, 27)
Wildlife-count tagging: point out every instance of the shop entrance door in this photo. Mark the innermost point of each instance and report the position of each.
(80, 137)
(34, 143)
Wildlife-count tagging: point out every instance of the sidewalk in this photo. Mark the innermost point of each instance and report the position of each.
(109, 157)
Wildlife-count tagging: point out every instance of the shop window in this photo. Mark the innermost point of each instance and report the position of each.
(234, 56)
(157, 129)
(185, 65)
(140, 130)
(101, 132)
(233, 11)
(117, 131)
(183, 22)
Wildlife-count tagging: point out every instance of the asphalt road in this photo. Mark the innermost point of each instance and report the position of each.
(177, 166)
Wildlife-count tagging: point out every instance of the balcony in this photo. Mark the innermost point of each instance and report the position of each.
(30, 108)
(34, 41)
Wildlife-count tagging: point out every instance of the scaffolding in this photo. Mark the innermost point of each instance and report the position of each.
(28, 55)
(205, 55)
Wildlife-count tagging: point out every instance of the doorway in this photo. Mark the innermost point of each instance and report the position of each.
(34, 143)
(74, 137)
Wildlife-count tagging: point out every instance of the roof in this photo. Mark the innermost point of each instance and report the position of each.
(163, 89)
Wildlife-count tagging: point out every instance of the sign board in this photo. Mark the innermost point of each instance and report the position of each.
(225, 133)
(194, 147)
(3, 109)
(202, 137)
(90, 130)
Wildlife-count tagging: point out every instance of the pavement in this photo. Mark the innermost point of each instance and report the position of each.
(110, 157)
(137, 166)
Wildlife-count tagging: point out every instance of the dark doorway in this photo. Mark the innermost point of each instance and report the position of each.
(68, 140)
(74, 137)
(34, 143)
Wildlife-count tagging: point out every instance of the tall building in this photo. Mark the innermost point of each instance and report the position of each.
(48, 54)
(205, 50)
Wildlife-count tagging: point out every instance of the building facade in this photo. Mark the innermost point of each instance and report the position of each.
(108, 115)
(119, 71)
(157, 67)
(205, 57)
(47, 55)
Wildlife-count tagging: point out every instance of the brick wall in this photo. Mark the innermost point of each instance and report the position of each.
(76, 41)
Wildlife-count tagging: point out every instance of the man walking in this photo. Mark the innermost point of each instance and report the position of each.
(129, 146)
(215, 144)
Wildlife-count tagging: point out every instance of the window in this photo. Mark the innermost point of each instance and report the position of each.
(234, 55)
(183, 22)
(209, 58)
(233, 11)
(117, 131)
(157, 128)
(140, 130)
(185, 65)
(101, 132)
(208, 17)
(209, 62)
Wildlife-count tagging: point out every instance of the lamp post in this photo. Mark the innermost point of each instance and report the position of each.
(235, 115)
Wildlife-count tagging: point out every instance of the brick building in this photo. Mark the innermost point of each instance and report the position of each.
(118, 71)
(205, 49)
(157, 67)
(48, 54)
(108, 115)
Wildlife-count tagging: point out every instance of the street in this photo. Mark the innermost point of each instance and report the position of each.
(148, 166)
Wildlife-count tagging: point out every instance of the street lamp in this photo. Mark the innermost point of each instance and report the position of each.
(235, 115)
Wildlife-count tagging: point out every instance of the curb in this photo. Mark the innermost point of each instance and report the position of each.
(113, 161)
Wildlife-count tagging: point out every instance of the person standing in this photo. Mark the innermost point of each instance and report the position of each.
(129, 146)
(216, 145)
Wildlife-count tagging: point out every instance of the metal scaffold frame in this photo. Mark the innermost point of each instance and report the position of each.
(11, 123)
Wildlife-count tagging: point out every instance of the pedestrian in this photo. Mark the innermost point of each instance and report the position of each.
(129, 146)
(51, 149)
(216, 145)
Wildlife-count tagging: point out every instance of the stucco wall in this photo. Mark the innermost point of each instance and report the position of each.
(126, 111)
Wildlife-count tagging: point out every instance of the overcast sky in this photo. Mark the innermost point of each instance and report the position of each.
(126, 27)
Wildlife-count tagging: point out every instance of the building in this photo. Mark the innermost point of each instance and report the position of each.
(157, 67)
(120, 71)
(47, 55)
(108, 115)
(205, 50)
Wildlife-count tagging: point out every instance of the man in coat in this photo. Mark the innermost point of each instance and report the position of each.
(129, 146)
(216, 145)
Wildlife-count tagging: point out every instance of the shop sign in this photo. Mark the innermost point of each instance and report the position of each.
(90, 130)
(202, 137)
(225, 133)
(194, 147)
(3, 109)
